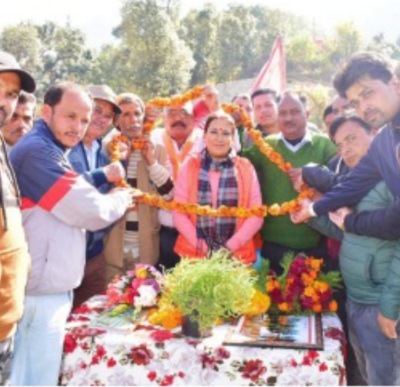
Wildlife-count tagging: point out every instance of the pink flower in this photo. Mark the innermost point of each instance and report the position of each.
(152, 375)
(70, 343)
(167, 381)
(100, 351)
(141, 355)
(222, 353)
(161, 335)
(208, 361)
(323, 367)
(111, 362)
(254, 369)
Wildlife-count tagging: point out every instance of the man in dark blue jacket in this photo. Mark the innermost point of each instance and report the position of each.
(368, 82)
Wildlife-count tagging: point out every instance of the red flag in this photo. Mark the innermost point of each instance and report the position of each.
(273, 73)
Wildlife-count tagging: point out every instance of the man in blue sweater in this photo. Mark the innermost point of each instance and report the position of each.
(368, 82)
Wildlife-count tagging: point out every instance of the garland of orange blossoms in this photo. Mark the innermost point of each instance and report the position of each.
(222, 211)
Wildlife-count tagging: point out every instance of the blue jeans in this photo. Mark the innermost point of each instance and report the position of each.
(39, 340)
(378, 357)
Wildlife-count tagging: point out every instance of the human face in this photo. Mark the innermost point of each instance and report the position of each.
(130, 121)
(352, 142)
(69, 119)
(245, 104)
(219, 138)
(292, 118)
(20, 123)
(340, 106)
(374, 101)
(10, 86)
(179, 123)
(102, 118)
(265, 110)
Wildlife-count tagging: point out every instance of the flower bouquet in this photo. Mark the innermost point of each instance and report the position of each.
(137, 289)
(209, 290)
(302, 288)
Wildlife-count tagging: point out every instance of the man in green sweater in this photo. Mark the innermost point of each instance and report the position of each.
(298, 146)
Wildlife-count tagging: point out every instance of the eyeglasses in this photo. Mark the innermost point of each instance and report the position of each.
(173, 113)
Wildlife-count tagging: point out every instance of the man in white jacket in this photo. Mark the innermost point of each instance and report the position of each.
(58, 205)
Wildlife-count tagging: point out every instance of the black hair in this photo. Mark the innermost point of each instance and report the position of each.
(361, 64)
(265, 91)
(328, 110)
(338, 122)
(55, 92)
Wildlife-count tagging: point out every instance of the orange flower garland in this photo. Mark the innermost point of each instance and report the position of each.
(223, 211)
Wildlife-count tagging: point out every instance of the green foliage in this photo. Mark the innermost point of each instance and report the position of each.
(158, 52)
(208, 289)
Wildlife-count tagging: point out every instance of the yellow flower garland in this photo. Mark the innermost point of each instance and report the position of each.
(222, 211)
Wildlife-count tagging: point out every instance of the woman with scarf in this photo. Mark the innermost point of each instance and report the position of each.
(217, 177)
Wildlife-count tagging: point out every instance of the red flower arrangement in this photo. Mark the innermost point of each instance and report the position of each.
(303, 288)
(138, 289)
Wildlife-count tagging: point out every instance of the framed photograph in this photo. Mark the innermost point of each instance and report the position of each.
(303, 332)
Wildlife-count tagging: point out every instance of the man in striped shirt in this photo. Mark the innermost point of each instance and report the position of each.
(136, 237)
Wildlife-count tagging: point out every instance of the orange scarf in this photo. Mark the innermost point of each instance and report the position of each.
(177, 159)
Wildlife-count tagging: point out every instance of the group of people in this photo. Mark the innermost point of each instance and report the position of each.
(68, 225)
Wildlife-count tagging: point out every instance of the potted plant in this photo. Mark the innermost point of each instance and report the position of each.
(206, 290)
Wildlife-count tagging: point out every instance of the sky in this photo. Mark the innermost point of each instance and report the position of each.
(98, 18)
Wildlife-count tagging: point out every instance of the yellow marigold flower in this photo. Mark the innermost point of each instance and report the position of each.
(271, 285)
(306, 279)
(274, 209)
(315, 263)
(317, 308)
(284, 307)
(320, 286)
(260, 303)
(309, 291)
(333, 306)
(141, 272)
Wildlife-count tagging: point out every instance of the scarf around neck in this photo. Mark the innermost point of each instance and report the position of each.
(216, 231)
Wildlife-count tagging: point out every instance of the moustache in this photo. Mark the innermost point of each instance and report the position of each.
(178, 123)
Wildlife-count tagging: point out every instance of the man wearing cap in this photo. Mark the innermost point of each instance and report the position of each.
(14, 257)
(21, 121)
(89, 159)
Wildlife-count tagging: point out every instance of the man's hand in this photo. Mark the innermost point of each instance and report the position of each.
(114, 172)
(304, 214)
(148, 153)
(387, 326)
(339, 215)
(296, 178)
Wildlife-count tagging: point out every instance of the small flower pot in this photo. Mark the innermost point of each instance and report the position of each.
(190, 328)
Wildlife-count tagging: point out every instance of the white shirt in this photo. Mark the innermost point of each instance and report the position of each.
(91, 154)
(294, 148)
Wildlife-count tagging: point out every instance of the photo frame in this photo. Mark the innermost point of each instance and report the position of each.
(292, 331)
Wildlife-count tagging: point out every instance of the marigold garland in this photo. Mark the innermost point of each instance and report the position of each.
(223, 211)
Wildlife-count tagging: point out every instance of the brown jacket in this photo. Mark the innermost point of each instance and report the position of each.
(149, 226)
(14, 257)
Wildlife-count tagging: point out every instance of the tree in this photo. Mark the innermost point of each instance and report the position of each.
(22, 40)
(199, 31)
(155, 60)
(49, 51)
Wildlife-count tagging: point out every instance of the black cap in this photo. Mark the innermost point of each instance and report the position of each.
(9, 64)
